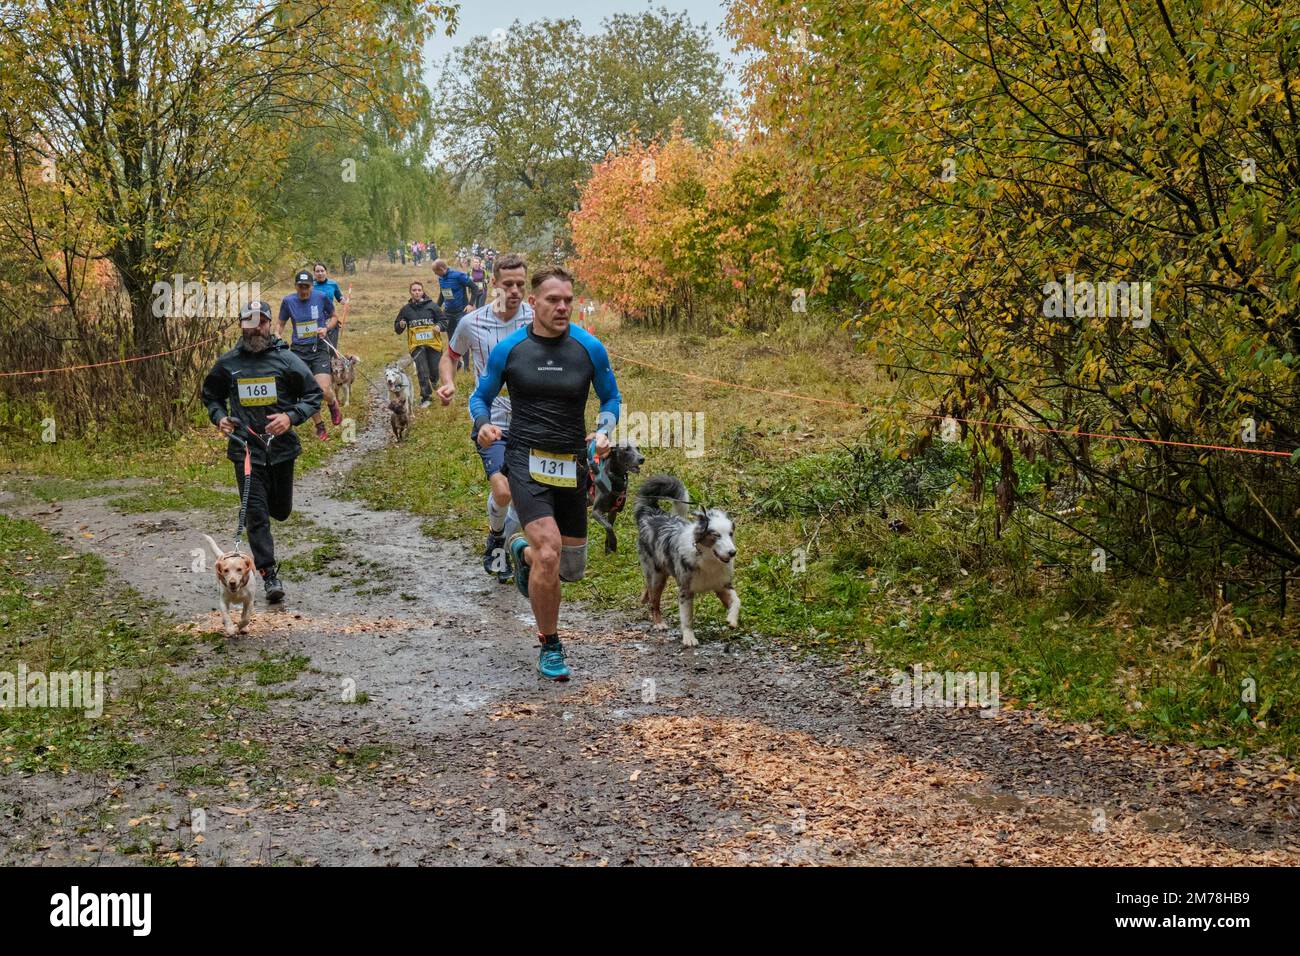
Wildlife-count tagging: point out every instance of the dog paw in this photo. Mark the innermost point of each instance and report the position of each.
(661, 626)
(688, 639)
(230, 631)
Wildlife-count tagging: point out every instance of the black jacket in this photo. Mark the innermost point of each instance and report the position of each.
(272, 382)
(424, 312)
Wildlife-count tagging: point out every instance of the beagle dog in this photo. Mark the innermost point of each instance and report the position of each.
(235, 573)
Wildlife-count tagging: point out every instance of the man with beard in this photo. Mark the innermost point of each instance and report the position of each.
(257, 392)
(550, 367)
(477, 335)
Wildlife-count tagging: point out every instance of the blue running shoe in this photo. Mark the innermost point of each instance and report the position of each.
(517, 545)
(550, 661)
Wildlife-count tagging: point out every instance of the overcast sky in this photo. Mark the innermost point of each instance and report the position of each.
(482, 19)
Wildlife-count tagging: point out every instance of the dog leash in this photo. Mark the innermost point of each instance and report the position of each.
(248, 476)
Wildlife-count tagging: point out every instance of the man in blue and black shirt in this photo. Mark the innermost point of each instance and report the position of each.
(550, 368)
(455, 290)
(311, 316)
(330, 289)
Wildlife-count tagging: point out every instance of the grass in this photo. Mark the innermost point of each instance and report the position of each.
(56, 616)
(176, 498)
(60, 489)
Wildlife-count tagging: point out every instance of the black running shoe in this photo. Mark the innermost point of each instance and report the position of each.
(494, 552)
(274, 589)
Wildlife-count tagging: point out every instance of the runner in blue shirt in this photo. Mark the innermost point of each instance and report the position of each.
(550, 368)
(312, 316)
(454, 291)
(330, 289)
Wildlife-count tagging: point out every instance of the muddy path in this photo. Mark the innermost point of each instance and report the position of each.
(451, 750)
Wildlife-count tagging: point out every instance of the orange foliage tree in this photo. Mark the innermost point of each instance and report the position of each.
(676, 233)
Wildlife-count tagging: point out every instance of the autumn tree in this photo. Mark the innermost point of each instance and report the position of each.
(166, 124)
(968, 162)
(526, 112)
(678, 234)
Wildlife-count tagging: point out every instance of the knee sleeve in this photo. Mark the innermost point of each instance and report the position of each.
(573, 562)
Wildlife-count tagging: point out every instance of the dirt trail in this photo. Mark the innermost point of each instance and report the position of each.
(733, 752)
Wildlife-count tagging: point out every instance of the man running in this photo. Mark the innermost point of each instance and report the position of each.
(549, 368)
(479, 278)
(422, 321)
(477, 335)
(261, 386)
(312, 316)
(454, 290)
(330, 289)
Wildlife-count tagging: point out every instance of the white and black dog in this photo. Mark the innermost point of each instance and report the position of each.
(399, 385)
(697, 550)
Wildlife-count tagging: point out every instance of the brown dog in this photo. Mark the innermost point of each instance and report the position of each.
(235, 576)
(401, 416)
(343, 371)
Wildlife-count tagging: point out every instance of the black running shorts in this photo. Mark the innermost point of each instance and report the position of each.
(318, 360)
(534, 499)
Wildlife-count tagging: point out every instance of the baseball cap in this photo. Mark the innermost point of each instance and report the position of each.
(303, 277)
(250, 316)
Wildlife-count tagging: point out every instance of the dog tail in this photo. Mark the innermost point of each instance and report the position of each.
(215, 550)
(657, 487)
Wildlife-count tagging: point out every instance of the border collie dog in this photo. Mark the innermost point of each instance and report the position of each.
(697, 550)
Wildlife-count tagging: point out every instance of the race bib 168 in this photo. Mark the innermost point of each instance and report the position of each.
(257, 391)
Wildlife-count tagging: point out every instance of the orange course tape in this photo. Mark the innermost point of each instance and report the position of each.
(134, 358)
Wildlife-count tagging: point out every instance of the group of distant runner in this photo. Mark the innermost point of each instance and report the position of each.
(533, 372)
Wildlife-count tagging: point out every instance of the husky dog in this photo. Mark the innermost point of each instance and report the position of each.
(399, 385)
(695, 549)
(608, 487)
(343, 370)
(400, 419)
